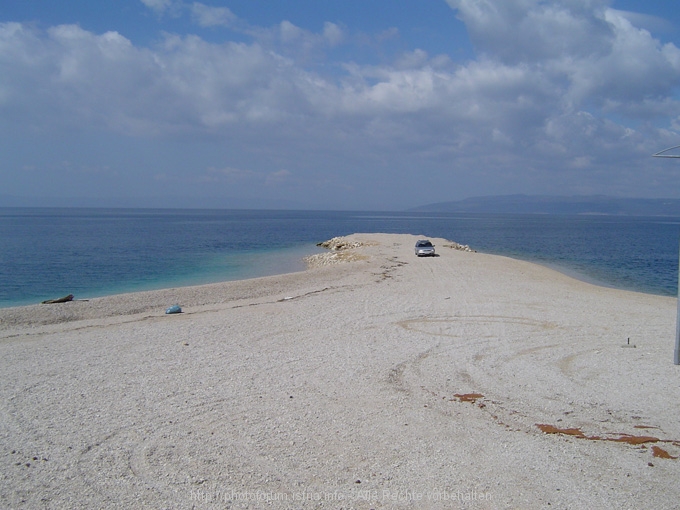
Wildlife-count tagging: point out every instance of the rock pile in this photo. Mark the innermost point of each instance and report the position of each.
(462, 247)
(341, 250)
(339, 244)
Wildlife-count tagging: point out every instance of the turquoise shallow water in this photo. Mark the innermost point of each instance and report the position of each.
(48, 253)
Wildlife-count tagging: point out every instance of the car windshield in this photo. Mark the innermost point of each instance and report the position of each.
(423, 244)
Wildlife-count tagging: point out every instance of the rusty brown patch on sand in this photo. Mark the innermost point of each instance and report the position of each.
(578, 433)
(468, 397)
(550, 429)
(661, 453)
(622, 438)
(627, 438)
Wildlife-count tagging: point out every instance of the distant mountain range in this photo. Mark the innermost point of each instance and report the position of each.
(540, 204)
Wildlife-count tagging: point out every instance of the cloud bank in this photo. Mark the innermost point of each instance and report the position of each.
(565, 97)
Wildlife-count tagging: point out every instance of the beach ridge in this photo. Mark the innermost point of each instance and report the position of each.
(386, 381)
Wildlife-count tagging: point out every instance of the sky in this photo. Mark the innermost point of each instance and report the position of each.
(352, 104)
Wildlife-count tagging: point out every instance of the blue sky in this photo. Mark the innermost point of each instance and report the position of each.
(336, 105)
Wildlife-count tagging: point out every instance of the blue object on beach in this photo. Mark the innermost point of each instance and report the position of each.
(174, 309)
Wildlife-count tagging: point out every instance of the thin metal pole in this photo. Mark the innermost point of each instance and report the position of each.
(662, 154)
(676, 353)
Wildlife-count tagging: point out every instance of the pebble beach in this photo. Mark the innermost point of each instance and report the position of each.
(374, 379)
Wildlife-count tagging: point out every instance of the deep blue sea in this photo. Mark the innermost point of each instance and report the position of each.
(49, 253)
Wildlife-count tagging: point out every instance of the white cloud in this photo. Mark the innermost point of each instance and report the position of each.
(592, 53)
(646, 21)
(207, 16)
(161, 7)
(526, 30)
(559, 86)
(157, 5)
(225, 175)
(333, 34)
(278, 178)
(635, 67)
(188, 83)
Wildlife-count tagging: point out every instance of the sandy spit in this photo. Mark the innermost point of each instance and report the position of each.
(375, 380)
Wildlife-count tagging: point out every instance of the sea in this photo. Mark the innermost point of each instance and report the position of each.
(47, 253)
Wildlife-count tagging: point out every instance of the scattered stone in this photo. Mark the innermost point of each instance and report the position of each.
(64, 299)
(460, 247)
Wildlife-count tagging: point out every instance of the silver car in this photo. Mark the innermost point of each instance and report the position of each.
(424, 248)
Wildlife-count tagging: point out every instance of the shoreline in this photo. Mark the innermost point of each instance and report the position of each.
(366, 383)
(182, 244)
(169, 289)
(202, 295)
(282, 261)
